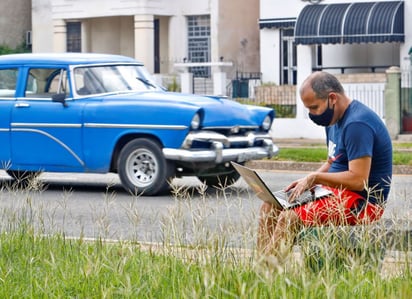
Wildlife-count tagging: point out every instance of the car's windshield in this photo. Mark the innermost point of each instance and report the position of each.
(112, 79)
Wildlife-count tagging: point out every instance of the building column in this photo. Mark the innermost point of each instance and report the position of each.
(186, 81)
(59, 36)
(177, 32)
(144, 40)
(219, 83)
(304, 61)
(85, 36)
(42, 26)
(392, 101)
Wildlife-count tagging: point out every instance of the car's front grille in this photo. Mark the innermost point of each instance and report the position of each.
(205, 139)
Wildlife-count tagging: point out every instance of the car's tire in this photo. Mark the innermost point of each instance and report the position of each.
(22, 177)
(221, 180)
(143, 169)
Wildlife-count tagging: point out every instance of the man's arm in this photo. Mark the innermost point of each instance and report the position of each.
(353, 179)
(324, 168)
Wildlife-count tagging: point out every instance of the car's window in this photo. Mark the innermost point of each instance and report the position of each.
(8, 82)
(43, 83)
(112, 79)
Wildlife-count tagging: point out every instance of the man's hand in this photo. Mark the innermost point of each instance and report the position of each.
(297, 187)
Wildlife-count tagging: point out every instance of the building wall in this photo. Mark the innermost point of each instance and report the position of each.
(123, 27)
(15, 21)
(384, 54)
(238, 38)
(42, 30)
(113, 35)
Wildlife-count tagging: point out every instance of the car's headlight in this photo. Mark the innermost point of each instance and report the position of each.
(267, 122)
(195, 123)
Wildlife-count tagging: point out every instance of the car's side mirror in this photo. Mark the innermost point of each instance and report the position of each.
(59, 98)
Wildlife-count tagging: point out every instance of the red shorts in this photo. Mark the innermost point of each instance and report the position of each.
(344, 207)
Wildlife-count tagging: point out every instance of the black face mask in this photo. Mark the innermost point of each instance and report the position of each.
(325, 118)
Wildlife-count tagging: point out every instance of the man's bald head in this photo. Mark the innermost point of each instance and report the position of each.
(322, 84)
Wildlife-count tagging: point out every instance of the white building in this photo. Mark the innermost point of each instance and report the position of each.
(159, 33)
(297, 37)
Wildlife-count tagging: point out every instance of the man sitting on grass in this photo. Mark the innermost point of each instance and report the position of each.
(358, 169)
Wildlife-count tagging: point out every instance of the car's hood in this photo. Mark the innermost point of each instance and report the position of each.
(218, 111)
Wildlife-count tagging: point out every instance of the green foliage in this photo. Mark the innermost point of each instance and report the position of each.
(269, 84)
(173, 86)
(4, 49)
(282, 111)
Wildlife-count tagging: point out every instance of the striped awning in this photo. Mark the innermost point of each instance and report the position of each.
(358, 22)
(277, 23)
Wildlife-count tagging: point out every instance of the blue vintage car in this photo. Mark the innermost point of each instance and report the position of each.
(97, 113)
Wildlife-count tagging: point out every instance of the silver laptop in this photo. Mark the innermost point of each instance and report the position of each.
(278, 198)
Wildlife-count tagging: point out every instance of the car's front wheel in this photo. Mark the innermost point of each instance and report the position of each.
(22, 175)
(23, 178)
(143, 169)
(229, 177)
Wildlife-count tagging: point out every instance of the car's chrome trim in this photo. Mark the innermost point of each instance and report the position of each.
(219, 154)
(45, 125)
(134, 126)
(54, 139)
(230, 127)
(209, 136)
(99, 125)
(73, 66)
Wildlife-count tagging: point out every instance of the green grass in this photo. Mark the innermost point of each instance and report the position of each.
(401, 154)
(312, 154)
(206, 265)
(55, 267)
(403, 145)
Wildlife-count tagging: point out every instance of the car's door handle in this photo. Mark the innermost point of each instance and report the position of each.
(22, 105)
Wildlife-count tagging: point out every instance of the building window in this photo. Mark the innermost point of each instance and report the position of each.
(199, 43)
(288, 57)
(74, 37)
(8, 82)
(156, 25)
(319, 56)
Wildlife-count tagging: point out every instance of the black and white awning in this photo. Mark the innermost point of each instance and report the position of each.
(277, 23)
(358, 22)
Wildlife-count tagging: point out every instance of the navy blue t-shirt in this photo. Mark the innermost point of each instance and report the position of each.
(359, 133)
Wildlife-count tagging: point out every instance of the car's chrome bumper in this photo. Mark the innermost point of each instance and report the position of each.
(220, 150)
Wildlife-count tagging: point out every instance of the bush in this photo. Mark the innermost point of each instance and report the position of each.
(5, 49)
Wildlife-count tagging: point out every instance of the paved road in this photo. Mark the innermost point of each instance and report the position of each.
(96, 206)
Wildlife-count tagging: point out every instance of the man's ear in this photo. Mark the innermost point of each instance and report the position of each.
(333, 97)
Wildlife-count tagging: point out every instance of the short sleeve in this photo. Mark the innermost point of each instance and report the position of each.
(358, 139)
